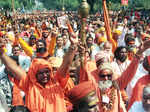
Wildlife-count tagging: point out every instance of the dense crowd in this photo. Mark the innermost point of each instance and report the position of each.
(46, 66)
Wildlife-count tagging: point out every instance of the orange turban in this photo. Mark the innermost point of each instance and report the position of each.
(102, 39)
(36, 65)
(80, 91)
(118, 32)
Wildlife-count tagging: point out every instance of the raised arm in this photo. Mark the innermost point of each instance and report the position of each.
(18, 72)
(51, 47)
(129, 73)
(67, 60)
(27, 49)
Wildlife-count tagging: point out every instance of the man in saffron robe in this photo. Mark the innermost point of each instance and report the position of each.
(84, 97)
(43, 89)
(108, 88)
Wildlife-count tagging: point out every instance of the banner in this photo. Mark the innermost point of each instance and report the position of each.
(124, 2)
(62, 21)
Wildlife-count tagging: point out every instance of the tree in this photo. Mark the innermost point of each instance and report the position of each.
(91, 3)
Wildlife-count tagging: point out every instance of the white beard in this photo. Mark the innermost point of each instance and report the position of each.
(103, 85)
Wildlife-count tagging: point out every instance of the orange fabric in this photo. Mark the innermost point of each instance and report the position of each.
(148, 57)
(38, 98)
(89, 66)
(80, 91)
(124, 95)
(1, 34)
(51, 47)
(68, 87)
(83, 75)
(127, 74)
(101, 39)
(37, 31)
(107, 27)
(16, 96)
(138, 90)
(70, 28)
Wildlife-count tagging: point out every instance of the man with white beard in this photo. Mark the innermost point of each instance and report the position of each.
(108, 88)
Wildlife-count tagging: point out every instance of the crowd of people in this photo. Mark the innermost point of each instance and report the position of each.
(46, 67)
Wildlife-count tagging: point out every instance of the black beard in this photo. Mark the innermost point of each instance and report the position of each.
(41, 50)
(122, 58)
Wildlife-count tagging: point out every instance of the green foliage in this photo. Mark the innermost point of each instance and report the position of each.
(7, 4)
(71, 4)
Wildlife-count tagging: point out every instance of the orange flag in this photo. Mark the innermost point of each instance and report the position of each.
(69, 28)
(107, 26)
(37, 31)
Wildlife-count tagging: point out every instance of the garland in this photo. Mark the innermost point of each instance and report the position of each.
(107, 107)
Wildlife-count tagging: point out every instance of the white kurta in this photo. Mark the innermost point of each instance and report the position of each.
(137, 107)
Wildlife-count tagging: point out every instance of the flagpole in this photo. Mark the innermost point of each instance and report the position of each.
(12, 1)
(83, 12)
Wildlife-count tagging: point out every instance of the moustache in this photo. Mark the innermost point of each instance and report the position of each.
(103, 85)
(41, 50)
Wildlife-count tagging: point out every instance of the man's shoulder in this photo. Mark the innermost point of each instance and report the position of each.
(144, 80)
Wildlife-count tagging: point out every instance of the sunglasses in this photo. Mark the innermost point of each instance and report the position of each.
(109, 76)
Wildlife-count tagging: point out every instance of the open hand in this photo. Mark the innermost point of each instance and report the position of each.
(73, 39)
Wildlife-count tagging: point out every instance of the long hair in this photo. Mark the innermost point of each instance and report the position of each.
(117, 51)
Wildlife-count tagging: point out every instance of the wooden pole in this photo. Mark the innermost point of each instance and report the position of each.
(83, 12)
(12, 1)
